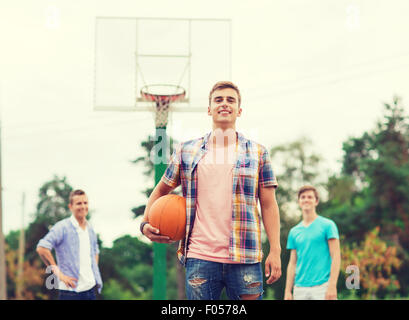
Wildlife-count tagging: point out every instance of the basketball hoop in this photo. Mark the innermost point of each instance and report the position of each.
(162, 95)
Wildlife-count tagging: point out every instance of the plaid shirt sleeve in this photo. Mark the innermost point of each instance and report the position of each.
(171, 177)
(266, 174)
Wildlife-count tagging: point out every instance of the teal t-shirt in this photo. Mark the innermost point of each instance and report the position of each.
(313, 257)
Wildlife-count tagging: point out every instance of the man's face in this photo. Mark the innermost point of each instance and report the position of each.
(307, 200)
(224, 106)
(79, 206)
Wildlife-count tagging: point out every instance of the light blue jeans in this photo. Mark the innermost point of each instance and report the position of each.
(205, 280)
(310, 293)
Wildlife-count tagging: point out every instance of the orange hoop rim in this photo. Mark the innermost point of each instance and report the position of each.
(148, 92)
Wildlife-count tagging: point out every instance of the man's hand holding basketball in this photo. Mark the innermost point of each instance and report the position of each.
(153, 234)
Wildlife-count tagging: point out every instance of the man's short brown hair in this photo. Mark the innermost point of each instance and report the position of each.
(308, 188)
(224, 85)
(77, 192)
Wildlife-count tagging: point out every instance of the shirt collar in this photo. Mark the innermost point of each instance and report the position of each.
(75, 222)
(240, 138)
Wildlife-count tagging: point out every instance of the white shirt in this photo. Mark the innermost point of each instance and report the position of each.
(86, 277)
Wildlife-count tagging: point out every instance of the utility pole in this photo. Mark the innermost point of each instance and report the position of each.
(3, 280)
(21, 249)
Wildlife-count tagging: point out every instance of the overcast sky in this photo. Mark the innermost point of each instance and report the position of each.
(320, 68)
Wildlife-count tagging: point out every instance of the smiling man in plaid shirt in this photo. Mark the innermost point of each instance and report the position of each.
(223, 176)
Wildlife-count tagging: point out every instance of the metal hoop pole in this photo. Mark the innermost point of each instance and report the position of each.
(159, 249)
(162, 102)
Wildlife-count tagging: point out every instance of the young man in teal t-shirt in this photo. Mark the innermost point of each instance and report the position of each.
(315, 259)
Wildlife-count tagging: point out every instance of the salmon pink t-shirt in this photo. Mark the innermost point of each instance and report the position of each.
(210, 238)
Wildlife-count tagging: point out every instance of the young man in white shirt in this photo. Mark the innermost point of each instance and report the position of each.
(76, 247)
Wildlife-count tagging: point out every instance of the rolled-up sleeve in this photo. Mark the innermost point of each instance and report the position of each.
(171, 177)
(52, 238)
(266, 174)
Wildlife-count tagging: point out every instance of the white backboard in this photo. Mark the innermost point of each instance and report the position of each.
(133, 52)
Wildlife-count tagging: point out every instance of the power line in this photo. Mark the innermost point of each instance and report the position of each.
(59, 121)
(83, 128)
(347, 68)
(325, 83)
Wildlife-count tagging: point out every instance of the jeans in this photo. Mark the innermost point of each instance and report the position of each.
(72, 295)
(205, 280)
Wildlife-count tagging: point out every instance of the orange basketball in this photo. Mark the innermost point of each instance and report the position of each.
(168, 214)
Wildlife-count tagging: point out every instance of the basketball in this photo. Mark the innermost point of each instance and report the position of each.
(168, 214)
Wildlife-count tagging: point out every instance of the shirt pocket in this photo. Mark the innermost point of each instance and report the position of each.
(249, 172)
(248, 184)
(249, 169)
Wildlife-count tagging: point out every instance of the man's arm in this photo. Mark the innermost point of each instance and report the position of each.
(271, 221)
(335, 252)
(289, 284)
(150, 232)
(47, 257)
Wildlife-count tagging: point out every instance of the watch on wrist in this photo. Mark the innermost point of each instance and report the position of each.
(142, 225)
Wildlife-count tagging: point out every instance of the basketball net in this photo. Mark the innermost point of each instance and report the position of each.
(162, 112)
(162, 95)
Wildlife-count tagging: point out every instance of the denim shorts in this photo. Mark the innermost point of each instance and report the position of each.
(205, 280)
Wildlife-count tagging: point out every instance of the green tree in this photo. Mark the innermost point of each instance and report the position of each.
(175, 278)
(375, 175)
(381, 159)
(32, 281)
(377, 263)
(372, 189)
(127, 268)
(51, 208)
(149, 170)
(295, 164)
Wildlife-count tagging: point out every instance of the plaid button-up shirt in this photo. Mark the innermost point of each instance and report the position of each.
(252, 169)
